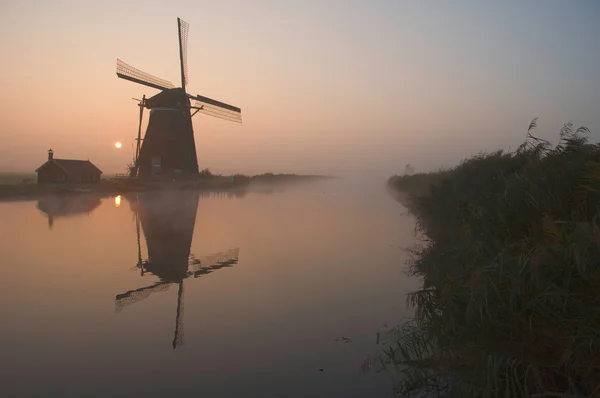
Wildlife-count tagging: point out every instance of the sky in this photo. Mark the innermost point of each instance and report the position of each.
(324, 86)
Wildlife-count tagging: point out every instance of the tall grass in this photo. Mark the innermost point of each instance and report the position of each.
(510, 302)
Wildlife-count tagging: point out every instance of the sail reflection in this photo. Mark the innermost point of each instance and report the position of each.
(167, 220)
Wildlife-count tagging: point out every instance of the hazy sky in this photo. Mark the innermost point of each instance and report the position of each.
(324, 86)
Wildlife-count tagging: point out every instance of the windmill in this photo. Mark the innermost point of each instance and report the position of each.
(167, 220)
(168, 147)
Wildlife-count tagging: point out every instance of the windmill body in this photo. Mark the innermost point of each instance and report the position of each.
(168, 148)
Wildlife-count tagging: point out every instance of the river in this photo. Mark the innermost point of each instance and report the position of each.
(267, 294)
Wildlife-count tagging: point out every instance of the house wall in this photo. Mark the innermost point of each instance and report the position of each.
(85, 177)
(51, 173)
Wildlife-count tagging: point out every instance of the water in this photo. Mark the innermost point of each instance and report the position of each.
(299, 269)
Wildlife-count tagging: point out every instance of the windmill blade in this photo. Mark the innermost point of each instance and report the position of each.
(217, 109)
(128, 72)
(133, 296)
(179, 336)
(207, 264)
(229, 116)
(183, 29)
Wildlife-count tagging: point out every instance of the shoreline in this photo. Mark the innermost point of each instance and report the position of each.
(401, 196)
(113, 187)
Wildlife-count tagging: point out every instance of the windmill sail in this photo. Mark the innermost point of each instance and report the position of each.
(128, 72)
(217, 109)
(133, 296)
(207, 264)
(179, 336)
(183, 28)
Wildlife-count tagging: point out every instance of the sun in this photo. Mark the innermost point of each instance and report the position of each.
(117, 145)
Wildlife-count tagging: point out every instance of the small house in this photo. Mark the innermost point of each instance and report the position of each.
(67, 170)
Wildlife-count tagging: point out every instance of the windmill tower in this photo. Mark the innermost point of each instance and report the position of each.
(167, 220)
(168, 147)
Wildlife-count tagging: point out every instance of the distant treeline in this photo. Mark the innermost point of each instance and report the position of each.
(208, 174)
(18, 189)
(510, 263)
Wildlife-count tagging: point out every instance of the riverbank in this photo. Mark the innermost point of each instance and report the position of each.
(511, 274)
(116, 186)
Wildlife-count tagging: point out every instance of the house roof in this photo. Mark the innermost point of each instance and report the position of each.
(70, 166)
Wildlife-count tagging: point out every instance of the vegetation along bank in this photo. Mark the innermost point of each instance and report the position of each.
(510, 264)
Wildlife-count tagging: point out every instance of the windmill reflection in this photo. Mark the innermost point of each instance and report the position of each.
(167, 220)
(66, 206)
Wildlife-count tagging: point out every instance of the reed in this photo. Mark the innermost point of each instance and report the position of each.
(510, 263)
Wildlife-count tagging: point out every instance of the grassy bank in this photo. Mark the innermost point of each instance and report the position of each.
(14, 187)
(510, 302)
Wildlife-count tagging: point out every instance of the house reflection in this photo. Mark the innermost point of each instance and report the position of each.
(67, 206)
(167, 220)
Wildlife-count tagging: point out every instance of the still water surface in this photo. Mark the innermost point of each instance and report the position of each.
(252, 291)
